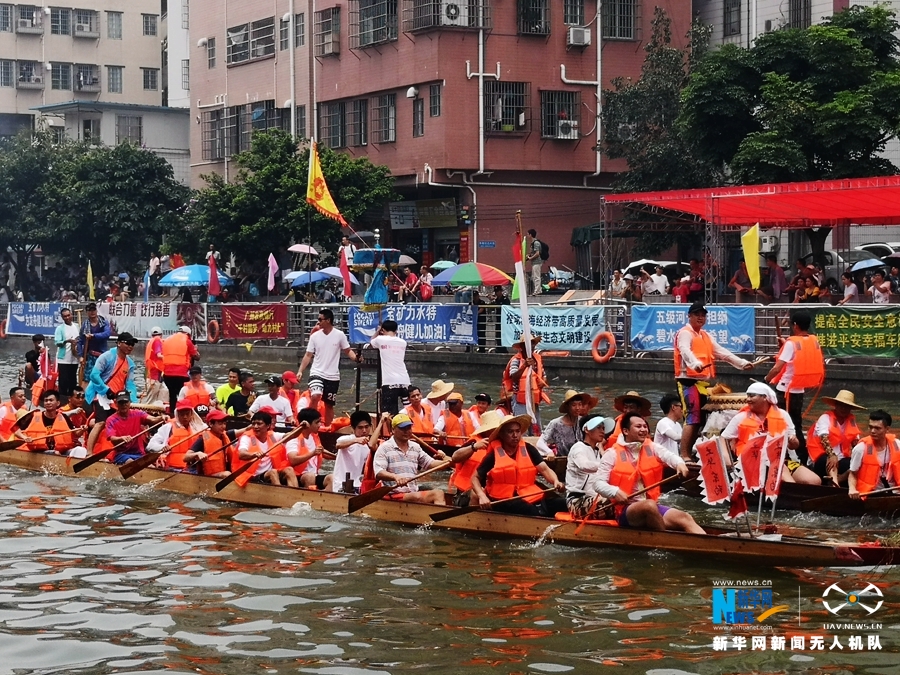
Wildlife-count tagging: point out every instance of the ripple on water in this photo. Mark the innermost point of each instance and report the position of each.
(297, 522)
(278, 603)
(404, 581)
(550, 667)
(226, 579)
(637, 616)
(344, 670)
(30, 653)
(266, 624)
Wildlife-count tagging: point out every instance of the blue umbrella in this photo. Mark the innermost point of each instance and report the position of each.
(192, 275)
(866, 264)
(305, 278)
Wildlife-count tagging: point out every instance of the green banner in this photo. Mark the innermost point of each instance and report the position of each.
(857, 331)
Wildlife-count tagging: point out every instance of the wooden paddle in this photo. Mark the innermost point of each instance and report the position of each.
(135, 466)
(446, 515)
(431, 449)
(818, 503)
(361, 501)
(237, 433)
(97, 456)
(233, 476)
(598, 503)
(17, 443)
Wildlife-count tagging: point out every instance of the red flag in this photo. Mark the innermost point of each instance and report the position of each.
(176, 260)
(345, 274)
(774, 452)
(738, 503)
(713, 474)
(751, 464)
(214, 286)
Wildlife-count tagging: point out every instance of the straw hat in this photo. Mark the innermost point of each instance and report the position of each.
(521, 343)
(619, 402)
(591, 401)
(846, 397)
(718, 388)
(439, 388)
(725, 402)
(492, 422)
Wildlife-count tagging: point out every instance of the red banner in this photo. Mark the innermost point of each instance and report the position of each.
(774, 453)
(263, 322)
(713, 474)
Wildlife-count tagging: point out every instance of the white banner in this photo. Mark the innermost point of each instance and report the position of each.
(138, 318)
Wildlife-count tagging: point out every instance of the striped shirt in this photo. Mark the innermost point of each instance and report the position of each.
(392, 459)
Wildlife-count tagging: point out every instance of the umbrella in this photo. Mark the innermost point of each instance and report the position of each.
(472, 274)
(336, 273)
(406, 260)
(303, 278)
(191, 275)
(442, 265)
(303, 248)
(866, 264)
(893, 258)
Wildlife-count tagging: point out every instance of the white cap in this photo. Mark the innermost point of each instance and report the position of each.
(156, 330)
(185, 329)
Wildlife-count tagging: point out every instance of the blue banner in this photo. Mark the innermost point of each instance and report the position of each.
(420, 323)
(28, 318)
(572, 328)
(653, 327)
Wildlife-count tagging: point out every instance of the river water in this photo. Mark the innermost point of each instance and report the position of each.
(107, 577)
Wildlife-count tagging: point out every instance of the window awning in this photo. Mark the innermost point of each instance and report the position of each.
(793, 205)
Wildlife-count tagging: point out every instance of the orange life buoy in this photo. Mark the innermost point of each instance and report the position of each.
(561, 353)
(212, 331)
(3, 328)
(610, 350)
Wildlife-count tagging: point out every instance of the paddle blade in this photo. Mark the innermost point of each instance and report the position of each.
(358, 502)
(11, 445)
(129, 469)
(452, 513)
(90, 461)
(230, 478)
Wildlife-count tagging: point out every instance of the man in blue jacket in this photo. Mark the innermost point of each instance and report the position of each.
(113, 372)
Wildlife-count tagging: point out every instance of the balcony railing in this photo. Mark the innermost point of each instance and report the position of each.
(30, 82)
(29, 27)
(421, 15)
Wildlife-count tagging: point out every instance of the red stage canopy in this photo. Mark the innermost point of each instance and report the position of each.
(834, 202)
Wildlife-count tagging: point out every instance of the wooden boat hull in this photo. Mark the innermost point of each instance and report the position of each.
(486, 523)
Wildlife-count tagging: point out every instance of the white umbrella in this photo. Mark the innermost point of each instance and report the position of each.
(336, 273)
(406, 260)
(303, 248)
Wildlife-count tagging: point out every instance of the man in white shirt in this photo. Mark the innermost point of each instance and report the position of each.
(394, 377)
(275, 401)
(875, 461)
(306, 456)
(347, 249)
(618, 285)
(323, 351)
(353, 451)
(255, 446)
(668, 429)
(66, 339)
(660, 282)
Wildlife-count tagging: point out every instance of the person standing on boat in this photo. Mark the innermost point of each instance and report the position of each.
(45, 430)
(323, 351)
(179, 353)
(275, 401)
(113, 372)
(561, 433)
(8, 411)
(696, 353)
(419, 413)
(197, 390)
(583, 464)
(522, 372)
(206, 452)
(762, 415)
(394, 377)
(833, 437)
(510, 469)
(875, 462)
(93, 338)
(353, 452)
(125, 427)
(799, 366)
(629, 402)
(668, 429)
(66, 340)
(454, 425)
(398, 460)
(633, 465)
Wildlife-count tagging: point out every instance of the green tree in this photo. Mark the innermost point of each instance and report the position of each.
(264, 208)
(639, 119)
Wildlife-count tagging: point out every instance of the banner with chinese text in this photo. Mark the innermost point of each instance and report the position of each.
(418, 322)
(255, 321)
(572, 328)
(28, 318)
(138, 318)
(653, 327)
(860, 331)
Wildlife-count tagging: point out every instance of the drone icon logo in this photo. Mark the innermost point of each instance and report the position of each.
(854, 599)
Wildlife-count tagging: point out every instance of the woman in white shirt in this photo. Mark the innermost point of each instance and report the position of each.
(582, 465)
(851, 292)
(880, 290)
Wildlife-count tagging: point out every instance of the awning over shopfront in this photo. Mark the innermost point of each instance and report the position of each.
(788, 205)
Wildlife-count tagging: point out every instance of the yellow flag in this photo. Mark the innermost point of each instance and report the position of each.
(90, 282)
(317, 193)
(750, 244)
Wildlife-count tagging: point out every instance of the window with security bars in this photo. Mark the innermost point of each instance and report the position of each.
(238, 44)
(151, 78)
(284, 35)
(212, 135)
(60, 21)
(6, 73)
(617, 18)
(114, 77)
(560, 115)
(262, 38)
(211, 52)
(284, 120)
(86, 21)
(87, 77)
(185, 14)
(573, 12)
(301, 122)
(799, 13)
(384, 118)
(332, 124)
(327, 32)
(534, 17)
(358, 123)
(186, 74)
(149, 21)
(30, 16)
(732, 17)
(114, 25)
(507, 107)
(434, 100)
(418, 117)
(429, 14)
(129, 129)
(61, 76)
(299, 30)
(6, 18)
(372, 22)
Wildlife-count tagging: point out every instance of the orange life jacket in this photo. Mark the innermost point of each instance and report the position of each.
(773, 424)
(809, 363)
(461, 478)
(7, 421)
(302, 449)
(511, 477)
(702, 347)
(841, 440)
(537, 381)
(871, 471)
(461, 427)
(216, 463)
(197, 394)
(37, 390)
(626, 470)
(37, 430)
(255, 447)
(293, 398)
(152, 362)
(175, 353)
(422, 423)
(306, 395)
(175, 458)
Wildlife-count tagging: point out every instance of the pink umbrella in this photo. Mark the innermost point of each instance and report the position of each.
(303, 248)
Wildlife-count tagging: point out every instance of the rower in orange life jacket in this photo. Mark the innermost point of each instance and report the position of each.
(46, 430)
(875, 462)
(17, 402)
(467, 459)
(638, 464)
(196, 390)
(454, 425)
(419, 413)
(798, 366)
(171, 439)
(206, 454)
(831, 439)
(480, 407)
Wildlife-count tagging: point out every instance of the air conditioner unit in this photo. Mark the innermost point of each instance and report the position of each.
(455, 13)
(25, 23)
(578, 36)
(331, 44)
(82, 28)
(567, 130)
(768, 244)
(37, 79)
